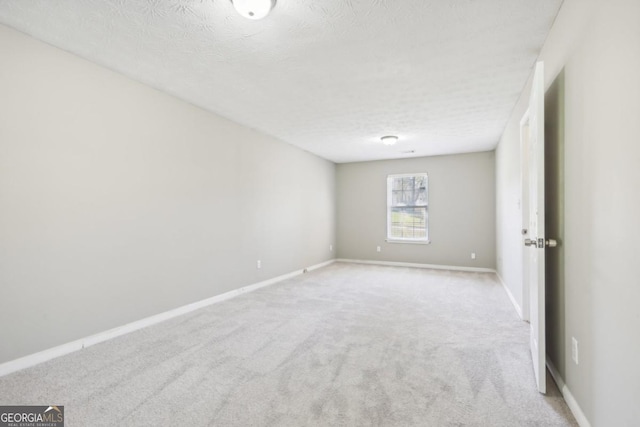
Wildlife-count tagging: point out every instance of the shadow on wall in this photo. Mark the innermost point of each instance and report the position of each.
(554, 222)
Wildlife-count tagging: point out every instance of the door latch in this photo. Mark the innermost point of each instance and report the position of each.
(551, 243)
(541, 243)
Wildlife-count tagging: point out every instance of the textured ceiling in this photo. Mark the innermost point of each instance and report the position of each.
(329, 76)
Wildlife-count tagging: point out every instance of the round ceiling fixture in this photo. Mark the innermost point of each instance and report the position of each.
(389, 139)
(254, 9)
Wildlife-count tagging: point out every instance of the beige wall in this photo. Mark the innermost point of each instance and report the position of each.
(461, 210)
(118, 202)
(598, 46)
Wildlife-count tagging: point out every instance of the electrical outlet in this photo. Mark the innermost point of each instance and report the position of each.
(330, 248)
(574, 350)
(473, 255)
(259, 264)
(378, 248)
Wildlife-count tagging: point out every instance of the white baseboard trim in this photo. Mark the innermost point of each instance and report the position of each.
(417, 265)
(568, 397)
(61, 350)
(511, 297)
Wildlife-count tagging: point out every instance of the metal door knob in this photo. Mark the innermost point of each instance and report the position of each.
(551, 243)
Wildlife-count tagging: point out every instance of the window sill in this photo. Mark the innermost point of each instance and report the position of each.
(410, 242)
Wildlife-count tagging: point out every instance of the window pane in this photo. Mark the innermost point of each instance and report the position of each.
(409, 191)
(396, 197)
(397, 184)
(407, 213)
(408, 223)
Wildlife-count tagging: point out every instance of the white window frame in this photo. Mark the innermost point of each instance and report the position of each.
(412, 240)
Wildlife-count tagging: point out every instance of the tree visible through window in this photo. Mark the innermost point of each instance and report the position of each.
(407, 208)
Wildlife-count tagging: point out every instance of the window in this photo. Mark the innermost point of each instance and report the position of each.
(407, 208)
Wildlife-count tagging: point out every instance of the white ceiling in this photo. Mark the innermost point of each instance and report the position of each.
(329, 76)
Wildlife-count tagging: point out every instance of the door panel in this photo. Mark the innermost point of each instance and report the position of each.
(536, 247)
(524, 211)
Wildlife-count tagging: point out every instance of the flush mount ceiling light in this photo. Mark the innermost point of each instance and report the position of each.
(254, 9)
(389, 139)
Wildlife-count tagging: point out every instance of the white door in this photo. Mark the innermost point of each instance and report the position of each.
(523, 204)
(535, 238)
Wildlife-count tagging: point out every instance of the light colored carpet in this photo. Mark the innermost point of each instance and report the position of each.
(345, 345)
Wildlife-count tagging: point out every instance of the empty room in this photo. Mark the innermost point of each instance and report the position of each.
(318, 213)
